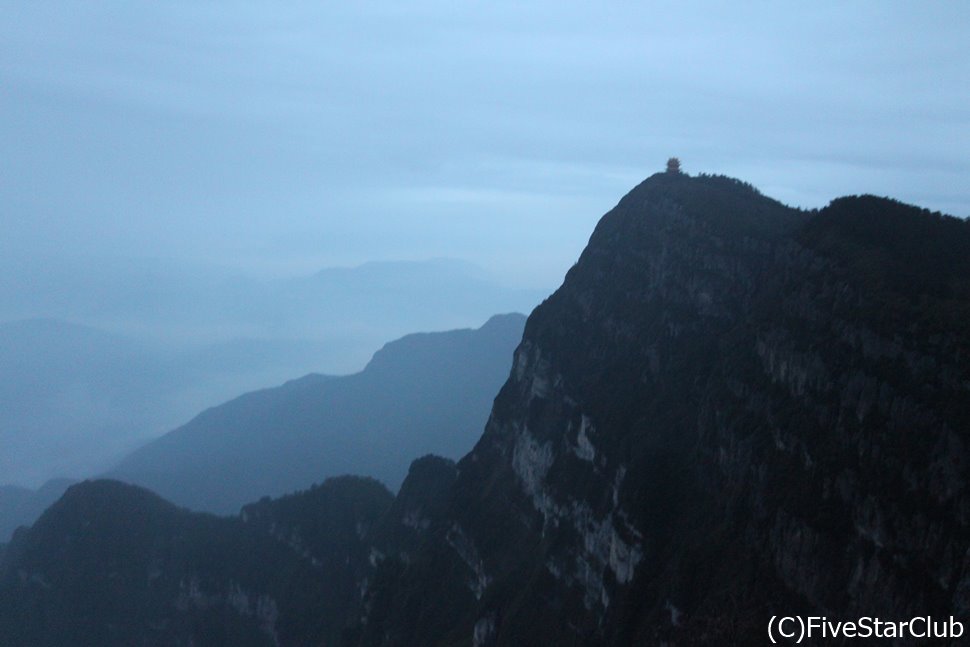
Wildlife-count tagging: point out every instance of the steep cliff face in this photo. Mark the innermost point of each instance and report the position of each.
(716, 418)
(730, 410)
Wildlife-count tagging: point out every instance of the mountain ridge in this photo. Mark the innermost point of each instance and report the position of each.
(424, 392)
(677, 373)
(170, 573)
(199, 335)
(715, 419)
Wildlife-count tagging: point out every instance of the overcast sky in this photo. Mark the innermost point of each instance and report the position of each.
(284, 137)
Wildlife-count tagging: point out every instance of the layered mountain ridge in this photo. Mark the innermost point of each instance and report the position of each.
(731, 409)
(425, 392)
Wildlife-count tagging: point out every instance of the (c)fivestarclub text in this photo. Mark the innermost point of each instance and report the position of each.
(795, 629)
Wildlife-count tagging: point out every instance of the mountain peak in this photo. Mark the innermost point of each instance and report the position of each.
(730, 409)
(724, 205)
(676, 414)
(99, 500)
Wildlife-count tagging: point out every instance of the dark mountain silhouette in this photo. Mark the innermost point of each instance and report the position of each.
(137, 570)
(428, 392)
(730, 410)
(21, 506)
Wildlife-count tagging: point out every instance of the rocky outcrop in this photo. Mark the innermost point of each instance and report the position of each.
(709, 423)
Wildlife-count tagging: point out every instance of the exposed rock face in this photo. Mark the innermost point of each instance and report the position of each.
(730, 409)
(715, 419)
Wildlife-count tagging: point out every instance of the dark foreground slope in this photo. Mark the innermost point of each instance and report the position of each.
(113, 564)
(730, 410)
(428, 392)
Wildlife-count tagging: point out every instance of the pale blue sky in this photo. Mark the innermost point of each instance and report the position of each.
(283, 137)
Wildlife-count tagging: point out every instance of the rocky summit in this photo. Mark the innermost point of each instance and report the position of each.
(730, 410)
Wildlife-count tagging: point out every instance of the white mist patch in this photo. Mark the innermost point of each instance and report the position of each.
(675, 613)
(414, 519)
(531, 462)
(602, 544)
(261, 607)
(520, 363)
(458, 540)
(534, 372)
(584, 447)
(484, 630)
(375, 557)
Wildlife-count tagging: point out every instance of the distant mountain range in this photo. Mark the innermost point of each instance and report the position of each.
(74, 398)
(423, 393)
(730, 410)
(364, 305)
